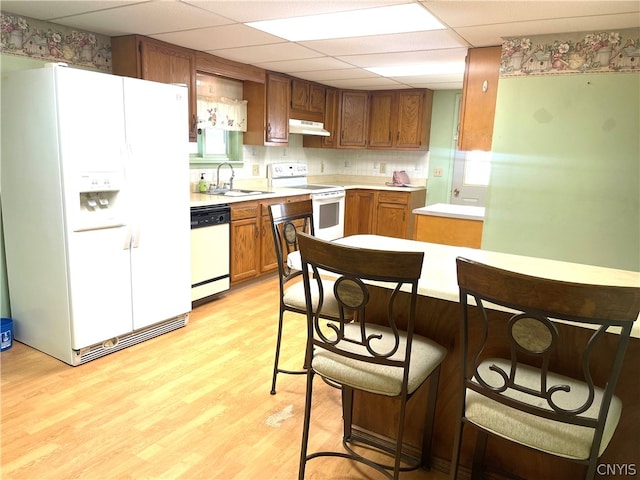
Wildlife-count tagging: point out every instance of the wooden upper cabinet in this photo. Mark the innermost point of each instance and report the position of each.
(479, 91)
(400, 119)
(278, 99)
(307, 97)
(353, 119)
(414, 119)
(330, 120)
(268, 110)
(142, 57)
(382, 116)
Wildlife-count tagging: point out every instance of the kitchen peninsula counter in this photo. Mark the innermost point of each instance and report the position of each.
(450, 224)
(438, 318)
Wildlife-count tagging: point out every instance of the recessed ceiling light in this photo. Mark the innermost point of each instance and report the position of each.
(356, 23)
(418, 69)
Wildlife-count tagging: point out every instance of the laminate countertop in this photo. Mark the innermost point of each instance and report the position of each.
(203, 199)
(439, 280)
(467, 212)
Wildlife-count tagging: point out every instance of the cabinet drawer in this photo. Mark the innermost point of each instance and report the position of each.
(393, 197)
(244, 210)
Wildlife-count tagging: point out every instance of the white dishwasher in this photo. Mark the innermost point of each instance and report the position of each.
(209, 251)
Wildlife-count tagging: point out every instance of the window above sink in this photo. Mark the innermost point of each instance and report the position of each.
(221, 117)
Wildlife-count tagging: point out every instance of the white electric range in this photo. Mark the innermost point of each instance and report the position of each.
(327, 200)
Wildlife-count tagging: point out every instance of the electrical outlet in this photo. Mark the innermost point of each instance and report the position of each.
(383, 167)
(437, 172)
(255, 170)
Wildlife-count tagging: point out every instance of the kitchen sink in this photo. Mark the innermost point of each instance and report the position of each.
(235, 192)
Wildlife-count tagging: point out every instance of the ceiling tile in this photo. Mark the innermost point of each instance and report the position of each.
(48, 10)
(219, 38)
(402, 42)
(273, 53)
(252, 11)
(288, 66)
(145, 19)
(406, 58)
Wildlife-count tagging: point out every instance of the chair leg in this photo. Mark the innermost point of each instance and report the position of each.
(277, 356)
(429, 418)
(478, 455)
(305, 425)
(455, 454)
(347, 412)
(399, 436)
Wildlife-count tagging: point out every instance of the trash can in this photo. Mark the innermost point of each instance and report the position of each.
(6, 334)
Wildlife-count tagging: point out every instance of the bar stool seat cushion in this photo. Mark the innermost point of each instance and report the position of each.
(294, 297)
(426, 355)
(561, 439)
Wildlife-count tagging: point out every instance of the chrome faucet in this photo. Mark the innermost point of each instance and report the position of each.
(230, 179)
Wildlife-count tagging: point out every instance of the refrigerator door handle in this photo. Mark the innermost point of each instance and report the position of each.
(127, 239)
(136, 238)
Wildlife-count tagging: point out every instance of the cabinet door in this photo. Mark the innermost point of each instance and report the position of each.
(278, 100)
(382, 113)
(299, 94)
(354, 113)
(359, 208)
(316, 98)
(244, 249)
(392, 220)
(268, 258)
(479, 91)
(410, 116)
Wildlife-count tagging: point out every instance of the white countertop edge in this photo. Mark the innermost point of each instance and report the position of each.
(439, 269)
(448, 210)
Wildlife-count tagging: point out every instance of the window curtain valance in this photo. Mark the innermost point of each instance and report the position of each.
(222, 113)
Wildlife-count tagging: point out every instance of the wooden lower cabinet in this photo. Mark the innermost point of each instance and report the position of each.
(252, 249)
(459, 232)
(381, 212)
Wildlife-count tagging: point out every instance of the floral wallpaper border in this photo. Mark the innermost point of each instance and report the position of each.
(27, 37)
(572, 53)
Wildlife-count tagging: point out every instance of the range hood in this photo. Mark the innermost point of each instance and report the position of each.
(307, 128)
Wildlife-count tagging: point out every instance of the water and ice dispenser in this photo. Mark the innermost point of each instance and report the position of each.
(99, 195)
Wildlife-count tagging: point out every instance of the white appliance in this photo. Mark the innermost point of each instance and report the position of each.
(210, 245)
(95, 208)
(327, 200)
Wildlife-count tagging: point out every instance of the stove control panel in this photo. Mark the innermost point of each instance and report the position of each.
(283, 170)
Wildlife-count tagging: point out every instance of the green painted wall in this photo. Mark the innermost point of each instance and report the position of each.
(565, 180)
(10, 63)
(442, 143)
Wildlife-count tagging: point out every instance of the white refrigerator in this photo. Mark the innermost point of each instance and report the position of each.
(95, 210)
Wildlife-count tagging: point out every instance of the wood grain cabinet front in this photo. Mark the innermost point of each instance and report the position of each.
(142, 57)
(252, 249)
(400, 120)
(382, 212)
(268, 111)
(353, 119)
(479, 93)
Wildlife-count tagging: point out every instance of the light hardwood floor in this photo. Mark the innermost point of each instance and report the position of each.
(191, 404)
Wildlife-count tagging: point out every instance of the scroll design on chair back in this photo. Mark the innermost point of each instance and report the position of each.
(514, 388)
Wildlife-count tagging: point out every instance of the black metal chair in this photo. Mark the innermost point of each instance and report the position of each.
(512, 392)
(387, 359)
(287, 219)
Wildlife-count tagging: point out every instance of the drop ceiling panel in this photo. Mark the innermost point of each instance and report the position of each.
(144, 18)
(322, 63)
(342, 74)
(252, 11)
(455, 55)
(48, 10)
(486, 35)
(388, 43)
(219, 38)
(379, 83)
(273, 53)
(464, 13)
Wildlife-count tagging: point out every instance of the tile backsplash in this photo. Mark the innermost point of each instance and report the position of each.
(373, 166)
